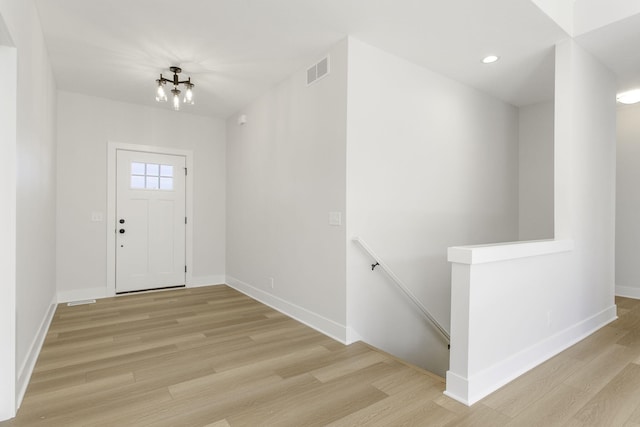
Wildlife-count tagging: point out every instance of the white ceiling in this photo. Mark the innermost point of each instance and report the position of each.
(234, 50)
(618, 46)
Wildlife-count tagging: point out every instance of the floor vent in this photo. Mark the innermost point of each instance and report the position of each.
(81, 302)
(318, 71)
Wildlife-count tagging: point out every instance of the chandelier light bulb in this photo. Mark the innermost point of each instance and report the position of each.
(176, 99)
(161, 96)
(188, 95)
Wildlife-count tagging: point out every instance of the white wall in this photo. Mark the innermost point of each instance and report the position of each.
(515, 306)
(85, 126)
(431, 164)
(30, 158)
(536, 171)
(628, 201)
(8, 83)
(285, 173)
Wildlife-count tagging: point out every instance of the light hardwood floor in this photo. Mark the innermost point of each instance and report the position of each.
(214, 357)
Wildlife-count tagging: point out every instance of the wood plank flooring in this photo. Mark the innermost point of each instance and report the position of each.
(214, 357)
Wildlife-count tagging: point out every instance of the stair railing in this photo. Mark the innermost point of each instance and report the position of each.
(403, 288)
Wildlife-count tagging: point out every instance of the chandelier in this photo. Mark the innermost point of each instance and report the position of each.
(161, 95)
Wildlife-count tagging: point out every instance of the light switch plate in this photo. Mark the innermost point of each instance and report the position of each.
(335, 218)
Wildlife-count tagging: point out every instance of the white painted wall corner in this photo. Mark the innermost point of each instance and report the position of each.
(353, 336)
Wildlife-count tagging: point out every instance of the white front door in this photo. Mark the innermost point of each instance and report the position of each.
(150, 220)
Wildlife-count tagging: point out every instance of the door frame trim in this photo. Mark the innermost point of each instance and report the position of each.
(112, 148)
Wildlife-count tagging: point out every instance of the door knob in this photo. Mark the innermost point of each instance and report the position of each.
(121, 221)
(122, 231)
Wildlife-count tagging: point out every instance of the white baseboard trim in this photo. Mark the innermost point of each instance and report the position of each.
(470, 390)
(628, 292)
(313, 320)
(101, 292)
(352, 336)
(197, 282)
(26, 369)
(82, 294)
(457, 388)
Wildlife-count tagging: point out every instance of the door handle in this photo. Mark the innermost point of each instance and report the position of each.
(122, 231)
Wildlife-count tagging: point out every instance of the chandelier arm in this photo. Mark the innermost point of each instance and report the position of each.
(173, 82)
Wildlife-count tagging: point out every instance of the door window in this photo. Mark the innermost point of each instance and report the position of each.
(151, 176)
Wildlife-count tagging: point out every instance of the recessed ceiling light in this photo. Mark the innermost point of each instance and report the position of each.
(630, 97)
(490, 59)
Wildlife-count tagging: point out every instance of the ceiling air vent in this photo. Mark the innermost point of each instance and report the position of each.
(318, 71)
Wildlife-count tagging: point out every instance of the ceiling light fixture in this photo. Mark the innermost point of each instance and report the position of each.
(161, 96)
(490, 59)
(630, 97)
